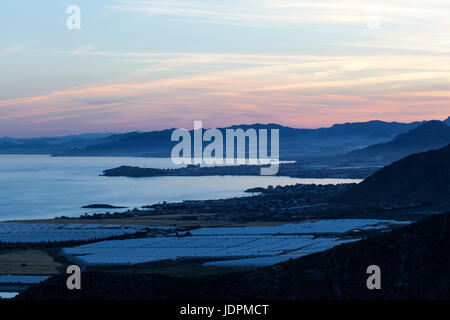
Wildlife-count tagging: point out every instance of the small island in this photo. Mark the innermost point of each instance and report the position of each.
(102, 206)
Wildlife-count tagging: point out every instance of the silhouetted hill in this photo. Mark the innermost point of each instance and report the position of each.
(431, 135)
(421, 177)
(117, 136)
(447, 121)
(153, 144)
(374, 127)
(50, 145)
(293, 142)
(414, 264)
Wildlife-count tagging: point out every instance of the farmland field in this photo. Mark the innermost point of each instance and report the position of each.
(38, 232)
(247, 246)
(30, 262)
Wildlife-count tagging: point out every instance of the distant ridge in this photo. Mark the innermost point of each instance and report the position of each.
(371, 127)
(430, 135)
(421, 177)
(294, 142)
(49, 145)
(447, 121)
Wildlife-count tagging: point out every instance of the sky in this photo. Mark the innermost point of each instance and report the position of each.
(150, 65)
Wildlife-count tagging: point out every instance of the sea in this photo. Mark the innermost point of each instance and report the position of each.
(42, 187)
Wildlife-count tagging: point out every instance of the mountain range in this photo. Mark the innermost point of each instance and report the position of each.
(294, 143)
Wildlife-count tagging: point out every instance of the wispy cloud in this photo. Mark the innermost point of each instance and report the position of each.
(82, 50)
(306, 63)
(283, 88)
(263, 12)
(248, 12)
(15, 48)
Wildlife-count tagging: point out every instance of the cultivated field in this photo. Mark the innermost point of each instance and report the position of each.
(45, 232)
(220, 247)
(235, 246)
(329, 226)
(134, 251)
(159, 220)
(28, 262)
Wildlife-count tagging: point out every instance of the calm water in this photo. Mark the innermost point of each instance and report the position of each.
(38, 186)
(8, 295)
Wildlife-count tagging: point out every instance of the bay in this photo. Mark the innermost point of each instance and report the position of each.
(41, 187)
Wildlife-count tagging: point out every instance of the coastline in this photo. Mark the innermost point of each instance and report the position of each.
(291, 170)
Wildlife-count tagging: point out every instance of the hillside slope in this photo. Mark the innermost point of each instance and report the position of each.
(421, 177)
(431, 135)
(447, 121)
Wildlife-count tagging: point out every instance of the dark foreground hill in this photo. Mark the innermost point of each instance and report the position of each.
(430, 135)
(414, 263)
(421, 177)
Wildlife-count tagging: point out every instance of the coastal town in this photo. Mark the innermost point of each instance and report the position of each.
(288, 203)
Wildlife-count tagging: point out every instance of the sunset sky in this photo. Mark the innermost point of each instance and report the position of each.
(147, 65)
